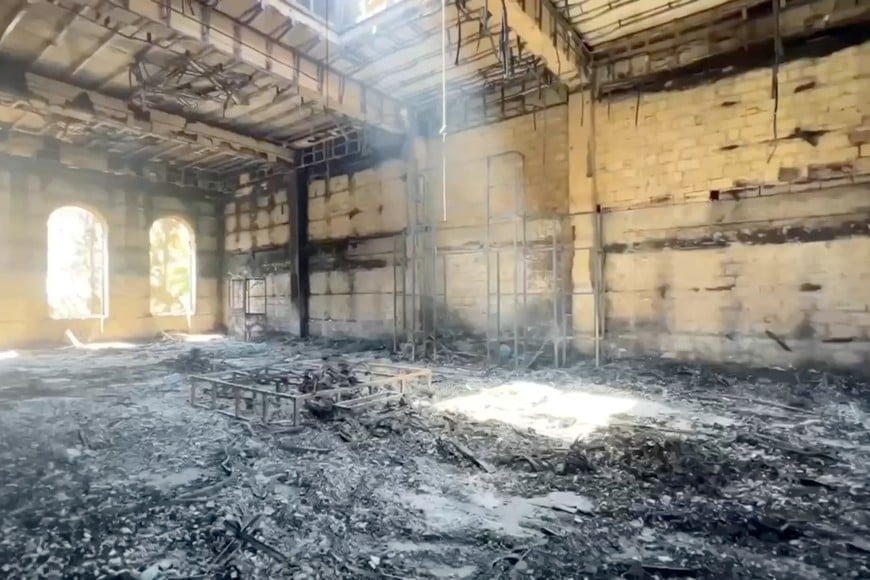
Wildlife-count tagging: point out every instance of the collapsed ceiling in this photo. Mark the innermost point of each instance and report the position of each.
(200, 92)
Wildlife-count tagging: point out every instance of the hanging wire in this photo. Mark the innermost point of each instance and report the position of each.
(774, 88)
(326, 91)
(444, 109)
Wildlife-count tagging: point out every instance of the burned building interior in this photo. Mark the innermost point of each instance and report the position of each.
(470, 289)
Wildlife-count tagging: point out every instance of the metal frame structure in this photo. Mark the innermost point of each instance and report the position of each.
(246, 389)
(239, 302)
(424, 297)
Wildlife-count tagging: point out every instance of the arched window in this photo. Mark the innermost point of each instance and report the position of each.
(77, 266)
(173, 268)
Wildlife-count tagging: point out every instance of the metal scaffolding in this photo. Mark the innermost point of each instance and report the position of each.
(510, 332)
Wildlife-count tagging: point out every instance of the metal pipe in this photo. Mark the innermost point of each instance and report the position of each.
(598, 230)
(444, 110)
(597, 302)
(525, 267)
(444, 281)
(395, 295)
(405, 282)
(566, 295)
(516, 276)
(414, 310)
(434, 292)
(498, 297)
(486, 257)
(555, 306)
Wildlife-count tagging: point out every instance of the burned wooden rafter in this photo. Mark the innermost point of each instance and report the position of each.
(212, 27)
(57, 100)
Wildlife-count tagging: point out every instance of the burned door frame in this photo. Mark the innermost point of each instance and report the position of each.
(246, 316)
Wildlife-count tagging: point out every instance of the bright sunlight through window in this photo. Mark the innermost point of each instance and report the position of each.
(77, 280)
(173, 268)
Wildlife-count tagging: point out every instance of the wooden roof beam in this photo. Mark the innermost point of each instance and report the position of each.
(245, 43)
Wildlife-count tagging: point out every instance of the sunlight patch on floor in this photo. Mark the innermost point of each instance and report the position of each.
(202, 337)
(549, 411)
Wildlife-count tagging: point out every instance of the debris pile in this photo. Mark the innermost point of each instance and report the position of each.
(193, 361)
(706, 475)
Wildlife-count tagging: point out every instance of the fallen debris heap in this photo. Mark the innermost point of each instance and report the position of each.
(584, 473)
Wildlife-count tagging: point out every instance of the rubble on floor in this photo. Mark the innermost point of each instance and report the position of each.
(636, 470)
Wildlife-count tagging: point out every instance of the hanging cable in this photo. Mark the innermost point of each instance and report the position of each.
(326, 99)
(458, 34)
(444, 110)
(774, 88)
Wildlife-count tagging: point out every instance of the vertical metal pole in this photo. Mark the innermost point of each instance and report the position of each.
(555, 304)
(395, 295)
(414, 309)
(498, 298)
(516, 268)
(597, 302)
(444, 284)
(434, 286)
(565, 295)
(405, 282)
(486, 257)
(525, 284)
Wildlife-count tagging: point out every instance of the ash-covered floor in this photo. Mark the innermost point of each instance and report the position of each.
(634, 470)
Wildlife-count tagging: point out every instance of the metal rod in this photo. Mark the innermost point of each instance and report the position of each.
(486, 257)
(599, 287)
(597, 230)
(555, 306)
(414, 309)
(525, 269)
(405, 283)
(444, 282)
(444, 110)
(424, 273)
(516, 283)
(395, 295)
(567, 286)
(434, 294)
(498, 297)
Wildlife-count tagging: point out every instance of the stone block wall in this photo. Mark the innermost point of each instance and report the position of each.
(718, 234)
(28, 195)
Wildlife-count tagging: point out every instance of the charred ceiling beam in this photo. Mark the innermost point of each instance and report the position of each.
(11, 16)
(416, 67)
(313, 79)
(53, 97)
(88, 130)
(545, 32)
(297, 14)
(83, 179)
(729, 42)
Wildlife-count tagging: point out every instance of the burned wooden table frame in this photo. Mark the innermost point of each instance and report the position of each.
(392, 381)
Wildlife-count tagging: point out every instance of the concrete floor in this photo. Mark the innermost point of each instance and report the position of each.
(632, 470)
